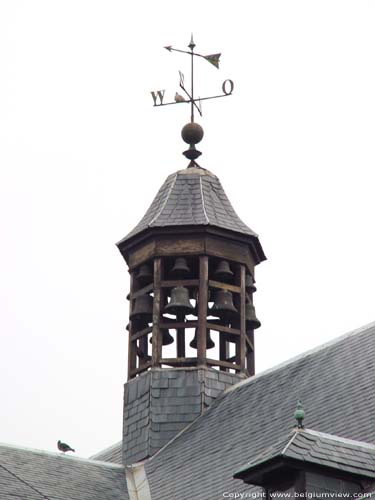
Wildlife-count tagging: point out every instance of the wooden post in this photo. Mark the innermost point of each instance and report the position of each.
(202, 309)
(223, 351)
(143, 345)
(180, 338)
(250, 355)
(132, 345)
(156, 313)
(242, 343)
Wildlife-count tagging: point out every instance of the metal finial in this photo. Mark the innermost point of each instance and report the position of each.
(191, 44)
(195, 104)
(299, 415)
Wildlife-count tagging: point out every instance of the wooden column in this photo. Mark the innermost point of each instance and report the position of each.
(242, 342)
(223, 351)
(180, 338)
(132, 345)
(143, 346)
(250, 355)
(202, 309)
(157, 310)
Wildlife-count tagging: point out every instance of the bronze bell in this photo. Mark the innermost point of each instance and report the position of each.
(252, 322)
(223, 305)
(223, 272)
(144, 274)
(249, 284)
(210, 343)
(180, 267)
(180, 302)
(167, 338)
(143, 306)
(137, 325)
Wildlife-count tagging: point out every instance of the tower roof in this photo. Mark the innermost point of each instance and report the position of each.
(192, 197)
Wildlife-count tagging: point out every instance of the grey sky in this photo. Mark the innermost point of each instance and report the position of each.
(83, 152)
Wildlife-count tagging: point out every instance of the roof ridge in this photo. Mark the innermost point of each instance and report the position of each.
(62, 456)
(342, 440)
(165, 201)
(203, 203)
(109, 448)
(300, 356)
(295, 432)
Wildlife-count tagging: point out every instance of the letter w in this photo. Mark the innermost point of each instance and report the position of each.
(155, 95)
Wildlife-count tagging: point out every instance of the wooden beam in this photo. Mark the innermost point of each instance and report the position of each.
(173, 283)
(251, 355)
(170, 324)
(180, 338)
(224, 286)
(142, 291)
(179, 361)
(250, 342)
(242, 343)
(215, 362)
(222, 328)
(141, 333)
(223, 350)
(132, 345)
(202, 309)
(141, 369)
(156, 314)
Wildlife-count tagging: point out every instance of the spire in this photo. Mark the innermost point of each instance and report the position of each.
(191, 314)
(192, 132)
(195, 198)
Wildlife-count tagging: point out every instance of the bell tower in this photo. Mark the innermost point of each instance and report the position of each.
(191, 311)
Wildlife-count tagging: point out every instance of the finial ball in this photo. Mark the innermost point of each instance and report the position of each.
(192, 133)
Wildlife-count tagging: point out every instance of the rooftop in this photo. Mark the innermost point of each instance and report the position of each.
(192, 197)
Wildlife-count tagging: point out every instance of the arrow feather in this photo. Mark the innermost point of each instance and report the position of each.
(213, 59)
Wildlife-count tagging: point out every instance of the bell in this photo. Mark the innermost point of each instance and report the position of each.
(167, 338)
(137, 325)
(223, 305)
(252, 322)
(143, 306)
(180, 302)
(144, 274)
(249, 284)
(223, 271)
(180, 267)
(210, 343)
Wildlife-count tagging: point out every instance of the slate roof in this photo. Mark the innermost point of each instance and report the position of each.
(111, 454)
(317, 448)
(191, 197)
(27, 474)
(336, 385)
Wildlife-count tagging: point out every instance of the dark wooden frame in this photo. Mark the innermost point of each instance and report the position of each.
(243, 360)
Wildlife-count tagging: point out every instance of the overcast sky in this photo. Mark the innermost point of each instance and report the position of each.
(83, 152)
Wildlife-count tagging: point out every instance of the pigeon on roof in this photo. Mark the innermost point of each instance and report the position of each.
(64, 447)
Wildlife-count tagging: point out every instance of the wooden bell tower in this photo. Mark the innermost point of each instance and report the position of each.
(191, 314)
(192, 284)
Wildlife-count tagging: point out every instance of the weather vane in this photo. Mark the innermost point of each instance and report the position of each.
(192, 133)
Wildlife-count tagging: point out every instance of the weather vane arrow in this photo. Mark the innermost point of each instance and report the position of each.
(214, 59)
(192, 133)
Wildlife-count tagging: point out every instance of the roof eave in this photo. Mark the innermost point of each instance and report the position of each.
(126, 243)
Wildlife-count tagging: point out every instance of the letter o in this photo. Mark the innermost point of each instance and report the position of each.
(227, 83)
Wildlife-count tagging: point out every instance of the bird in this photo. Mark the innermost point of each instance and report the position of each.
(179, 98)
(299, 415)
(64, 447)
